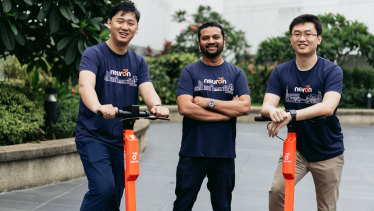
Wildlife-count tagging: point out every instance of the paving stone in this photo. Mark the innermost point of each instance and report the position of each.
(255, 164)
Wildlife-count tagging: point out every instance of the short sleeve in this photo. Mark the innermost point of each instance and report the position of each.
(274, 86)
(143, 74)
(241, 84)
(334, 80)
(90, 60)
(185, 83)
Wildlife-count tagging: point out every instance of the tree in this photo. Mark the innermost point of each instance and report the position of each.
(275, 49)
(340, 38)
(236, 44)
(51, 34)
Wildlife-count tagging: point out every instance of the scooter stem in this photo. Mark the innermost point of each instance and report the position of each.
(288, 169)
(131, 158)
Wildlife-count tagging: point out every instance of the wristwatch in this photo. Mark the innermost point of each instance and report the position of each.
(293, 114)
(211, 103)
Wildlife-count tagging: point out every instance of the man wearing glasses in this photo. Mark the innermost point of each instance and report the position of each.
(310, 86)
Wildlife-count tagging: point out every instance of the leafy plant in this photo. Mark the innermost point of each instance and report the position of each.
(165, 71)
(22, 110)
(357, 83)
(275, 49)
(57, 31)
(67, 113)
(257, 77)
(14, 72)
(21, 117)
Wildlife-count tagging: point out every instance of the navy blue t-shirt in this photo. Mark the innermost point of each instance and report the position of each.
(223, 82)
(322, 139)
(117, 80)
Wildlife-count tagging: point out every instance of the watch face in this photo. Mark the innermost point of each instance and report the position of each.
(211, 103)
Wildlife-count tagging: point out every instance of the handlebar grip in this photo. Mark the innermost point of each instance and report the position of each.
(128, 114)
(122, 113)
(262, 118)
(145, 114)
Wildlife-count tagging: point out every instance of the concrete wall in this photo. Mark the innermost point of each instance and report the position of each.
(35, 164)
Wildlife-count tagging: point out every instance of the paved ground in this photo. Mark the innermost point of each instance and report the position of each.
(255, 163)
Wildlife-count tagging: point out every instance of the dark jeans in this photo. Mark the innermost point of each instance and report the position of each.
(191, 172)
(104, 167)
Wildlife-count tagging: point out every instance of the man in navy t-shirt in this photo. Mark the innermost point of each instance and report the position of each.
(310, 86)
(211, 94)
(109, 78)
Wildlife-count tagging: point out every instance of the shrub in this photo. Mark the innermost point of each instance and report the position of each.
(67, 112)
(357, 82)
(257, 77)
(165, 71)
(21, 117)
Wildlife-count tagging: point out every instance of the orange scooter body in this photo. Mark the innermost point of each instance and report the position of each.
(288, 169)
(131, 161)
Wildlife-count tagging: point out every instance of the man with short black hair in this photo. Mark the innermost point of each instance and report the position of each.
(310, 86)
(110, 76)
(211, 94)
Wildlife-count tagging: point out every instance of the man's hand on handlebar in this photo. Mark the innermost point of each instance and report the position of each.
(280, 118)
(274, 127)
(160, 111)
(108, 111)
(278, 114)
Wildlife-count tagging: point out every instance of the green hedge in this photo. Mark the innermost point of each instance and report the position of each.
(165, 71)
(257, 78)
(67, 113)
(357, 82)
(21, 117)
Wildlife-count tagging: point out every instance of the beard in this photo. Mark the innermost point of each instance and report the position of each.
(213, 55)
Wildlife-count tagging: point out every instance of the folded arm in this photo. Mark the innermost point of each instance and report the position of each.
(239, 106)
(187, 107)
(280, 117)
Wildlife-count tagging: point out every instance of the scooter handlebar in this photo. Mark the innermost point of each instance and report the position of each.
(262, 118)
(142, 114)
(128, 114)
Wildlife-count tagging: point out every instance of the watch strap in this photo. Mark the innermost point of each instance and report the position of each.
(293, 114)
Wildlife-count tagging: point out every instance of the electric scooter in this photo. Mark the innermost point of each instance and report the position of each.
(289, 160)
(131, 150)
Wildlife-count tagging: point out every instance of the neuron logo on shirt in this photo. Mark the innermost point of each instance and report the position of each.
(215, 85)
(307, 89)
(220, 80)
(307, 97)
(121, 77)
(125, 72)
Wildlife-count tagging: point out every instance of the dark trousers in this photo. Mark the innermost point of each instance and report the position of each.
(191, 172)
(104, 168)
